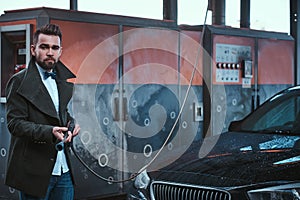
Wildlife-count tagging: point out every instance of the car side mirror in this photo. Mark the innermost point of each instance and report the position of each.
(235, 125)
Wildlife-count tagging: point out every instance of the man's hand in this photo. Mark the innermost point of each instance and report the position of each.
(76, 130)
(58, 132)
(73, 134)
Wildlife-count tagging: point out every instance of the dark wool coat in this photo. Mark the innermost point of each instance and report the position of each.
(31, 115)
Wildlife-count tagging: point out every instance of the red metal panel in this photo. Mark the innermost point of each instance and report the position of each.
(91, 51)
(275, 61)
(190, 50)
(29, 21)
(150, 56)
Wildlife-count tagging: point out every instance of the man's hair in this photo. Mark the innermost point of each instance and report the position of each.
(48, 29)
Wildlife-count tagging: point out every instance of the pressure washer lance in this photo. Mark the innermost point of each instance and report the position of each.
(60, 146)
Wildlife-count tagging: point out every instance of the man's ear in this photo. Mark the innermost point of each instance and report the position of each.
(60, 51)
(32, 49)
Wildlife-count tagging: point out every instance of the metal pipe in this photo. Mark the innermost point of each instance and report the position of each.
(170, 10)
(245, 14)
(73, 5)
(295, 32)
(218, 12)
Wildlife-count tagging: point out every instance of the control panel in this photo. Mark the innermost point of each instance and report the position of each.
(231, 61)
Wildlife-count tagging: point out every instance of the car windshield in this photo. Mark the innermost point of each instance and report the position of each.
(278, 115)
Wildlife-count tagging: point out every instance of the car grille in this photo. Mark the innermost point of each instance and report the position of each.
(173, 191)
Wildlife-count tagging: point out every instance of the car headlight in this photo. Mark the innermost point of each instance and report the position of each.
(142, 180)
(280, 192)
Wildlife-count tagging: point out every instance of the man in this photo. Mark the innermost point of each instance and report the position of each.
(38, 118)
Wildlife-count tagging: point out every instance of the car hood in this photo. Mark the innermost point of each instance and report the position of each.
(237, 159)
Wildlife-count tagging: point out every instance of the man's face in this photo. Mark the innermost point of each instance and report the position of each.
(47, 51)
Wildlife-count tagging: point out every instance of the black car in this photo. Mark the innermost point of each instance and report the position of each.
(258, 158)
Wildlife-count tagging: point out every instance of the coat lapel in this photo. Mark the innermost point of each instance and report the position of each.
(33, 89)
(65, 88)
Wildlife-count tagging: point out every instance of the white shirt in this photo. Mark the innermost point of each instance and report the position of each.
(61, 161)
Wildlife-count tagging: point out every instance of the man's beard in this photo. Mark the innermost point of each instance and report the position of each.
(47, 65)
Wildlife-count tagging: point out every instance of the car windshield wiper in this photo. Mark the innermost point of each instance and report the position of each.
(276, 131)
(282, 131)
(269, 131)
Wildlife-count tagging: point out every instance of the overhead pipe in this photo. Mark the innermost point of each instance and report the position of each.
(245, 14)
(73, 5)
(170, 10)
(218, 12)
(295, 32)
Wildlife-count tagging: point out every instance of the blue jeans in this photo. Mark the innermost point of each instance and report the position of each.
(60, 188)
